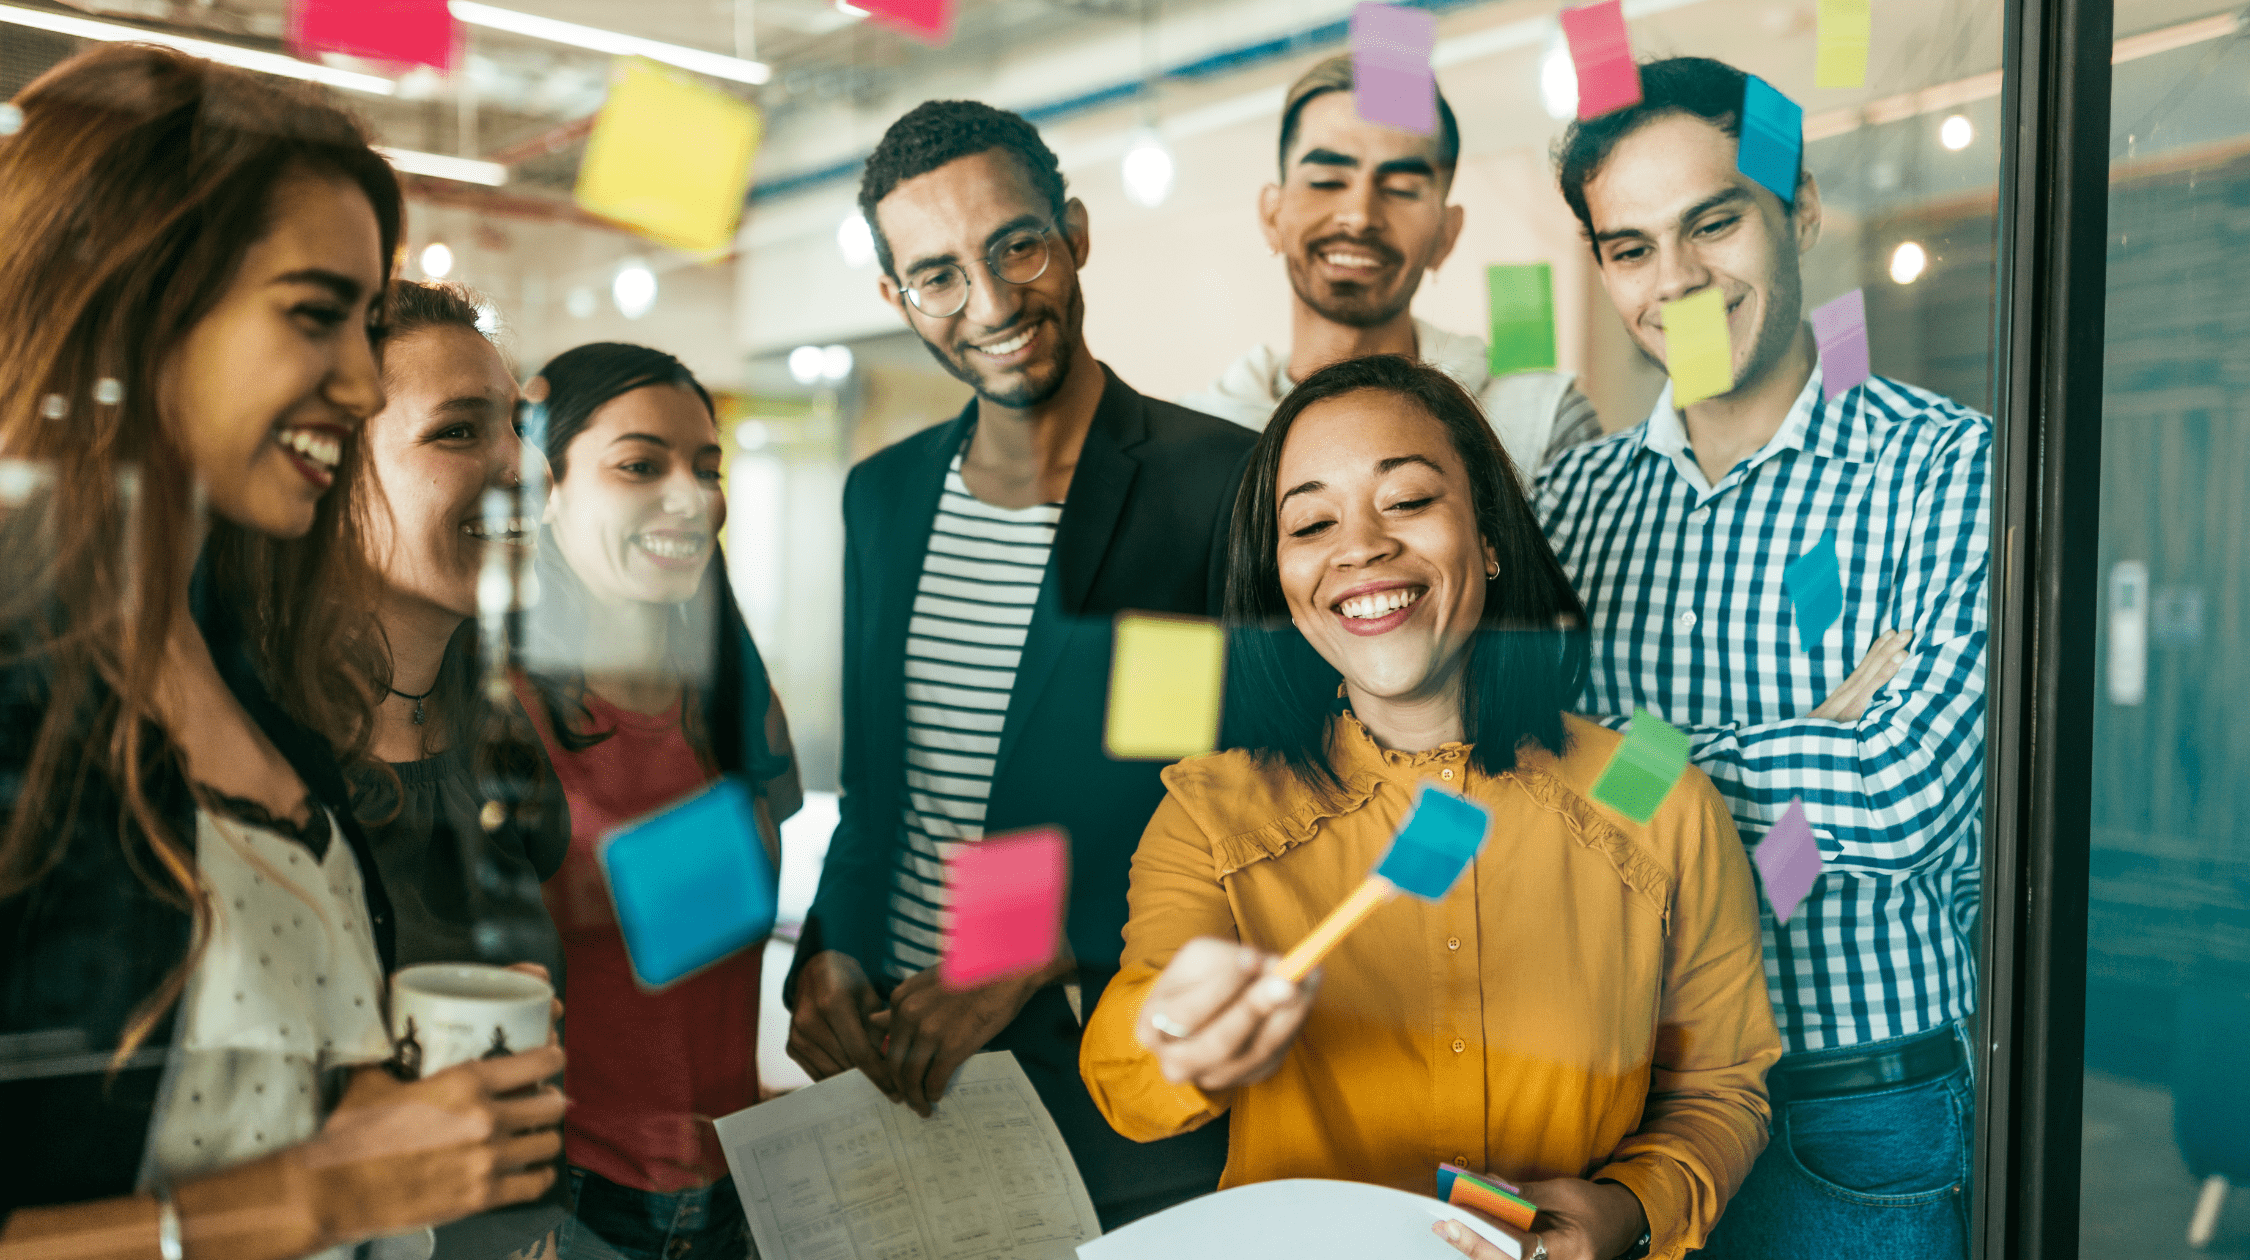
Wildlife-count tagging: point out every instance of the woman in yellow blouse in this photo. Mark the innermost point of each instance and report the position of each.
(1584, 1014)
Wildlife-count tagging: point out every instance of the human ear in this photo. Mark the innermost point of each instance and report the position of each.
(1449, 234)
(1808, 213)
(1076, 227)
(1269, 209)
(888, 290)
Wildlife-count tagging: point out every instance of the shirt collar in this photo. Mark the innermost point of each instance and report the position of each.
(1833, 428)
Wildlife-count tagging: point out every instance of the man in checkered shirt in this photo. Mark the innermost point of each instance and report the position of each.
(1677, 533)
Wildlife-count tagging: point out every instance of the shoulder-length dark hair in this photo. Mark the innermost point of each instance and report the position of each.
(1528, 662)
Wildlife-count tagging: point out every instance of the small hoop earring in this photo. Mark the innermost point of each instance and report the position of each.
(1492, 574)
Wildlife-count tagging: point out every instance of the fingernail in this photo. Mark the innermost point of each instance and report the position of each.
(1275, 990)
(1452, 1232)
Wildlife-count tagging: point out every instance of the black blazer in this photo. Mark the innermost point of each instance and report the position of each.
(83, 946)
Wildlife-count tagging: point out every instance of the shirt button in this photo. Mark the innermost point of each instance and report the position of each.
(1685, 621)
(1445, 773)
(1698, 516)
(1453, 942)
(1459, 1045)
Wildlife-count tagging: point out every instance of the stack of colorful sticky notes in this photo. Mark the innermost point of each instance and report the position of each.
(1603, 57)
(692, 884)
(669, 157)
(1490, 1195)
(1698, 350)
(1007, 895)
(1640, 774)
(398, 32)
(1391, 75)
(1523, 317)
(1165, 679)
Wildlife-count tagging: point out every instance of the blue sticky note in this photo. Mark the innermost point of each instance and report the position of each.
(691, 885)
(1816, 590)
(1440, 836)
(1773, 138)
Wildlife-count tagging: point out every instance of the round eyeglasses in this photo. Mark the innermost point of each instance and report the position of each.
(1020, 257)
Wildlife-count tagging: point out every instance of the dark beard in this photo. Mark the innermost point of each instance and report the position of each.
(1030, 394)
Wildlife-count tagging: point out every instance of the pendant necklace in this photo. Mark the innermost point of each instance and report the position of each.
(416, 699)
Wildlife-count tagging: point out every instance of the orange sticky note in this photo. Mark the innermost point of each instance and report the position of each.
(669, 157)
(1165, 677)
(1697, 350)
(1840, 56)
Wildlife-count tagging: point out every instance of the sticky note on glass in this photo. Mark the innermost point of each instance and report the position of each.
(1007, 895)
(1697, 350)
(669, 157)
(691, 885)
(1441, 835)
(1523, 317)
(1603, 56)
(1641, 772)
(1788, 860)
(1773, 137)
(930, 21)
(1815, 583)
(1166, 675)
(1458, 1186)
(1841, 329)
(1391, 76)
(1840, 58)
(397, 32)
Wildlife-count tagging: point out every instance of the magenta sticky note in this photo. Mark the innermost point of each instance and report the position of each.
(1841, 329)
(399, 32)
(1007, 893)
(1603, 56)
(1788, 861)
(930, 21)
(1391, 76)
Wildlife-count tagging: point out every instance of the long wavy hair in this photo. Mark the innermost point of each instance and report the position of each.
(1528, 661)
(135, 184)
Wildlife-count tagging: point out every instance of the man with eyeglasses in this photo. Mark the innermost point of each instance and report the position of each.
(984, 561)
(1359, 215)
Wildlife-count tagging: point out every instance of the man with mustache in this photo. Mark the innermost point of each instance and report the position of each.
(1696, 540)
(984, 561)
(1360, 213)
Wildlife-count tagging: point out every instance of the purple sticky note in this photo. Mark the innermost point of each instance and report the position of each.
(1603, 56)
(1391, 76)
(1007, 909)
(1788, 861)
(1841, 328)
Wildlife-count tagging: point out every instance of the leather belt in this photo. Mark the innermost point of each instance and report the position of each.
(1909, 1062)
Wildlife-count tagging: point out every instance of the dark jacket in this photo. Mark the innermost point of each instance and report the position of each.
(1144, 526)
(82, 947)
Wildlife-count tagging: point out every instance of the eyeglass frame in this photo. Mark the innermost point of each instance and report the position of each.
(913, 293)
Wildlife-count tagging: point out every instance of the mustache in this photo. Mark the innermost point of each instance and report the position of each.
(1382, 250)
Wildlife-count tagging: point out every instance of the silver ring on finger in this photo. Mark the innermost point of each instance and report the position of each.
(1167, 1025)
(1538, 1248)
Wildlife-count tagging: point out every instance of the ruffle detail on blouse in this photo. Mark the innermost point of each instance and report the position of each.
(1633, 864)
(1231, 853)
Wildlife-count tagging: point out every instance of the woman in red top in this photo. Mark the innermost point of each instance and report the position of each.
(623, 648)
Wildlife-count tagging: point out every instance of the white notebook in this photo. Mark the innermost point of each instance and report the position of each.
(1301, 1220)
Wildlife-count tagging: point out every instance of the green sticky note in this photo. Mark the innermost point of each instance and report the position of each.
(1165, 679)
(1523, 316)
(1697, 350)
(1645, 766)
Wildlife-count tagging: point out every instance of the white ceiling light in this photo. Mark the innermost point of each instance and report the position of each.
(226, 54)
(835, 362)
(855, 241)
(1908, 262)
(1955, 133)
(1558, 80)
(441, 166)
(437, 261)
(805, 364)
(634, 289)
(580, 303)
(1148, 170)
(716, 65)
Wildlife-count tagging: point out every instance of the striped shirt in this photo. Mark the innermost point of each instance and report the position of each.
(972, 612)
(1690, 619)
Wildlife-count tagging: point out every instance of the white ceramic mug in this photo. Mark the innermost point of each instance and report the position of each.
(448, 1013)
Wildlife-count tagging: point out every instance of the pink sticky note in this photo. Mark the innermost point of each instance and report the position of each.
(400, 32)
(1607, 78)
(1391, 76)
(1841, 328)
(1788, 861)
(1007, 905)
(930, 21)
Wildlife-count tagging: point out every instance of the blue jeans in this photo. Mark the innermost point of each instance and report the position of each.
(612, 1222)
(1884, 1173)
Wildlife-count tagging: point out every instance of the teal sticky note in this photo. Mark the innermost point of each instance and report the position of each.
(1815, 582)
(691, 885)
(1641, 772)
(1441, 835)
(1773, 138)
(1523, 317)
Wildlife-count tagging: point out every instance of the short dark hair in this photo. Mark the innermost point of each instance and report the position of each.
(1335, 75)
(1530, 657)
(934, 133)
(1698, 86)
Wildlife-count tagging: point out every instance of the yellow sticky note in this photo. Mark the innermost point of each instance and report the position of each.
(1165, 678)
(1696, 348)
(1846, 26)
(669, 157)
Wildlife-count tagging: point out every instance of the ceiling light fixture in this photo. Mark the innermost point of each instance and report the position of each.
(634, 289)
(1908, 262)
(1955, 133)
(1558, 80)
(226, 54)
(1148, 170)
(717, 65)
(855, 241)
(437, 261)
(442, 166)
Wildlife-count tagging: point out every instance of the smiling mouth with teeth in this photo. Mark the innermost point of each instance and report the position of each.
(671, 546)
(1002, 349)
(514, 529)
(314, 445)
(1381, 603)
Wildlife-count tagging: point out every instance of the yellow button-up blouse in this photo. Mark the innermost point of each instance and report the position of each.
(1589, 1000)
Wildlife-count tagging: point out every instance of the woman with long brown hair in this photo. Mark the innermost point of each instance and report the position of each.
(193, 937)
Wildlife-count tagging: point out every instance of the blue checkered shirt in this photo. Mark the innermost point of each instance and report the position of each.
(1690, 619)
